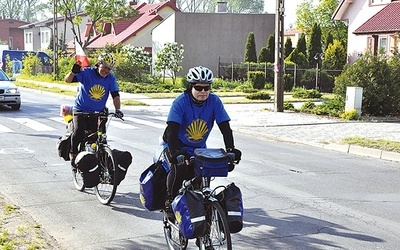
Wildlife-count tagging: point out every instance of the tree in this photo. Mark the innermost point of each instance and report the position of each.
(315, 46)
(169, 60)
(263, 55)
(328, 40)
(302, 44)
(307, 15)
(234, 6)
(298, 58)
(99, 12)
(288, 47)
(335, 56)
(25, 10)
(271, 48)
(250, 54)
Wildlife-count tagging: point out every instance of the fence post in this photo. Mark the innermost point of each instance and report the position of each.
(232, 73)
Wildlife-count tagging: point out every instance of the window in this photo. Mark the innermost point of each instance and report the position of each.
(28, 37)
(375, 2)
(382, 45)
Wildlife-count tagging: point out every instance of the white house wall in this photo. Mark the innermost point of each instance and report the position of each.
(357, 14)
(162, 34)
(142, 38)
(207, 37)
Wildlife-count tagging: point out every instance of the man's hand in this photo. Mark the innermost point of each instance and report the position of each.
(237, 152)
(179, 157)
(119, 114)
(76, 68)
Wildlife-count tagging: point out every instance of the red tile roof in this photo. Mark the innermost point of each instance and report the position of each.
(125, 29)
(386, 20)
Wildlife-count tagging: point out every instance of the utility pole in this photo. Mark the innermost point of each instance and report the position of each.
(279, 63)
(55, 39)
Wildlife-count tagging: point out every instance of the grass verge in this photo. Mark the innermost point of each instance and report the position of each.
(19, 231)
(386, 145)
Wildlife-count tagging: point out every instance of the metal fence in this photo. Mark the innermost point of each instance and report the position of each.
(317, 78)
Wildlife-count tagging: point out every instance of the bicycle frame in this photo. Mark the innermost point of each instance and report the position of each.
(96, 142)
(217, 234)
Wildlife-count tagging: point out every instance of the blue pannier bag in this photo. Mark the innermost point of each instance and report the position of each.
(153, 187)
(211, 162)
(189, 212)
(232, 203)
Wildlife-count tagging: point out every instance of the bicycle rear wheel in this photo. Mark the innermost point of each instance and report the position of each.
(217, 235)
(173, 236)
(106, 189)
(78, 179)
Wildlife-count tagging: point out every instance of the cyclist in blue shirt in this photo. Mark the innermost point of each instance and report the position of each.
(96, 83)
(189, 123)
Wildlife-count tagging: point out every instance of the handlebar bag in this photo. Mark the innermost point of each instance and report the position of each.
(232, 203)
(153, 187)
(86, 162)
(123, 160)
(189, 212)
(211, 162)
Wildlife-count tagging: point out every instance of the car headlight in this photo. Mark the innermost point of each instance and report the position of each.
(13, 91)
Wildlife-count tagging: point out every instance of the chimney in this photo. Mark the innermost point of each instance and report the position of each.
(132, 2)
(222, 7)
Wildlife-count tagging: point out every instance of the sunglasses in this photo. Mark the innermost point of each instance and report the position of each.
(200, 88)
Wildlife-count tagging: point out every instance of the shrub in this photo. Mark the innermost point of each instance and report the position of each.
(333, 107)
(257, 79)
(376, 75)
(288, 106)
(350, 115)
(306, 94)
(307, 106)
(259, 96)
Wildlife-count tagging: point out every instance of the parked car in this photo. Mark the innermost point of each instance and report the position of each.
(9, 93)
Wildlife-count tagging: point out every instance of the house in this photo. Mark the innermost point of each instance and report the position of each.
(293, 34)
(374, 25)
(135, 31)
(210, 39)
(11, 34)
(37, 36)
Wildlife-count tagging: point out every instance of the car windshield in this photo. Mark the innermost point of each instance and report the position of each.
(3, 76)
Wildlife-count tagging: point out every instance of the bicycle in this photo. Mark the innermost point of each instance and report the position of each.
(96, 142)
(217, 233)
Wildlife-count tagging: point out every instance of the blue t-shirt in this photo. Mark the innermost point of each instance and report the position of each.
(94, 90)
(195, 121)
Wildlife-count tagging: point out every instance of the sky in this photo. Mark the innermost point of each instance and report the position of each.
(290, 10)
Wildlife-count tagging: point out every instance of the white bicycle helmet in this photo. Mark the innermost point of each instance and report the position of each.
(107, 59)
(200, 75)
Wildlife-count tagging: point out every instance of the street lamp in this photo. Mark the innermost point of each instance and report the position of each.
(317, 57)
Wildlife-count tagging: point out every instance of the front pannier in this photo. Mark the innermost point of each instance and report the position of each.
(86, 162)
(231, 201)
(153, 187)
(189, 212)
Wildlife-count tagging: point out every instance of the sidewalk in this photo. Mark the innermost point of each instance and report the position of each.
(259, 120)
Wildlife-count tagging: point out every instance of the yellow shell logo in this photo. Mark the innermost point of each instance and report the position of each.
(97, 92)
(178, 217)
(142, 199)
(197, 129)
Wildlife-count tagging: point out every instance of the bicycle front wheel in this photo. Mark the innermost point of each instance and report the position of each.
(106, 189)
(218, 235)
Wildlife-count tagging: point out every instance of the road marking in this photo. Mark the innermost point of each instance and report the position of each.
(143, 122)
(33, 124)
(4, 129)
(122, 125)
(9, 151)
(161, 118)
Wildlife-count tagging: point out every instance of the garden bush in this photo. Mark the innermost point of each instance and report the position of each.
(259, 96)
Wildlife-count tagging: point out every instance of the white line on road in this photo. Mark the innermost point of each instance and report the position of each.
(33, 124)
(143, 122)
